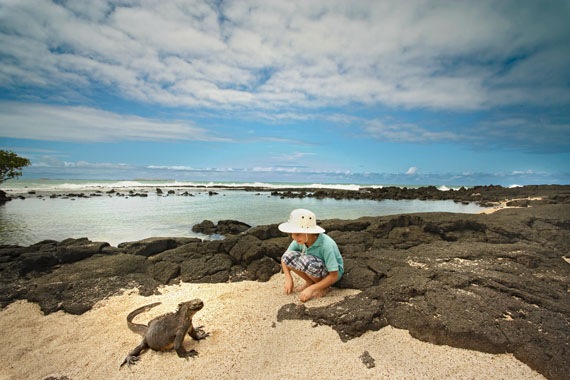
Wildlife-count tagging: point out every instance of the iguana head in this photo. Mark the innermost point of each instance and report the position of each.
(191, 306)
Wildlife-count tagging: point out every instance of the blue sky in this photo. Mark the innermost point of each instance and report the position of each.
(400, 92)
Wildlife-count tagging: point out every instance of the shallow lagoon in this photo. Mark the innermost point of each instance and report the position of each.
(115, 219)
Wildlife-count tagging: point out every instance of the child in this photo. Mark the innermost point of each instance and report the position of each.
(312, 255)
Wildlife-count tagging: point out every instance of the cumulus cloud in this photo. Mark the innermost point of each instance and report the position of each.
(276, 54)
(286, 61)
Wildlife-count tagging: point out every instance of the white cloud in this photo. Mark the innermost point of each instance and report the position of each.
(268, 55)
(286, 62)
(55, 163)
(523, 172)
(175, 168)
(406, 132)
(78, 123)
(294, 156)
(412, 170)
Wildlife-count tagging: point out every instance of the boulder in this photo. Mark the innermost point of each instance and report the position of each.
(72, 250)
(206, 227)
(4, 197)
(151, 246)
(224, 227)
(164, 271)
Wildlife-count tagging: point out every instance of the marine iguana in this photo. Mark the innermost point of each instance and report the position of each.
(166, 331)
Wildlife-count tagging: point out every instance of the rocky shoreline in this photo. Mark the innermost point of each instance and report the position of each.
(494, 283)
(485, 196)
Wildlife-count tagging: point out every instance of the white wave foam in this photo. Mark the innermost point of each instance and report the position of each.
(105, 185)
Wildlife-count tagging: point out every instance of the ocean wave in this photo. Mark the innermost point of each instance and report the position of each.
(20, 186)
(63, 185)
(446, 188)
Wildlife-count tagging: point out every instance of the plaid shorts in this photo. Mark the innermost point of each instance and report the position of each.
(311, 265)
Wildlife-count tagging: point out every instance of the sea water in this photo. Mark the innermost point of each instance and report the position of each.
(114, 218)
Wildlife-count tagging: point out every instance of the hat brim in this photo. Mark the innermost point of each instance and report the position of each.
(290, 228)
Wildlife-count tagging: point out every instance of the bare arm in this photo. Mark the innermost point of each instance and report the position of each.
(288, 279)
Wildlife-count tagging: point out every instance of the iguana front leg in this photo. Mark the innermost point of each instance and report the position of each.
(198, 333)
(179, 340)
(133, 356)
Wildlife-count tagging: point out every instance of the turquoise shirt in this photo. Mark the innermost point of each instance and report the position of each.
(324, 248)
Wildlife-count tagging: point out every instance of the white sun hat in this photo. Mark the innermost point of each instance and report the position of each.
(301, 221)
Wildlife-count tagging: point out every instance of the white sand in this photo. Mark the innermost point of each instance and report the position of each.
(503, 204)
(246, 342)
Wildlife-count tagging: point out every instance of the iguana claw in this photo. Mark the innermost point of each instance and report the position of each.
(130, 360)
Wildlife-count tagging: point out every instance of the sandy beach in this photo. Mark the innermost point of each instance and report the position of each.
(246, 342)
(504, 204)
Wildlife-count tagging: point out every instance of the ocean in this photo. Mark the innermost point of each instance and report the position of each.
(121, 217)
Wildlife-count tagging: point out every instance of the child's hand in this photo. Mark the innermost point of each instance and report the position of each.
(288, 285)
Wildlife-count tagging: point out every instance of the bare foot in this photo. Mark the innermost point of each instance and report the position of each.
(320, 293)
(300, 288)
(310, 294)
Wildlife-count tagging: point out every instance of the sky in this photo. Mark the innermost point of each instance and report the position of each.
(322, 91)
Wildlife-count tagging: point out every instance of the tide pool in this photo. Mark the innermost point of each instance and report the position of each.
(115, 219)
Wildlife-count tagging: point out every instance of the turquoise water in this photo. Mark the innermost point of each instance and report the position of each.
(115, 219)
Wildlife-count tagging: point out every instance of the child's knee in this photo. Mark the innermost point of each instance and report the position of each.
(288, 257)
(285, 258)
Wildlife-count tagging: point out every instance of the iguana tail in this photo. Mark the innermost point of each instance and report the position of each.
(137, 327)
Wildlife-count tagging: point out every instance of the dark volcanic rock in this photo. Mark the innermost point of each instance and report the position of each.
(4, 197)
(206, 227)
(231, 227)
(76, 288)
(43, 256)
(495, 283)
(367, 360)
(483, 195)
(350, 318)
(224, 227)
(72, 250)
(152, 246)
(164, 271)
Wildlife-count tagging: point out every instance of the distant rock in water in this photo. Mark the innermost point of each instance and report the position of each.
(224, 227)
(495, 283)
(3, 197)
